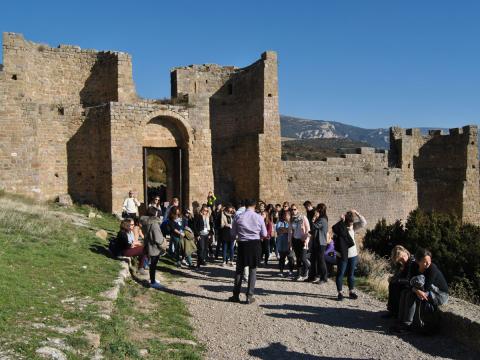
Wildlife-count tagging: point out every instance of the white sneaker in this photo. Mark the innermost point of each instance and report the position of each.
(224, 263)
(156, 285)
(280, 274)
(184, 262)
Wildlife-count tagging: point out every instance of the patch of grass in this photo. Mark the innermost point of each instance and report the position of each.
(142, 320)
(53, 273)
(51, 277)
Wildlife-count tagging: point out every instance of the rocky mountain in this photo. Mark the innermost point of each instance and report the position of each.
(297, 128)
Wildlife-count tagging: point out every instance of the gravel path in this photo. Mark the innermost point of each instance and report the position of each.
(293, 320)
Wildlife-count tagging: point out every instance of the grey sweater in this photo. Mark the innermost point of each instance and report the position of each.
(320, 230)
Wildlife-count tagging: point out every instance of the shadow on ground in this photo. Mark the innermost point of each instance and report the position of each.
(352, 318)
(280, 351)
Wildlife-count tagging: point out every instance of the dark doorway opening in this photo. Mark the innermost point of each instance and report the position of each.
(163, 170)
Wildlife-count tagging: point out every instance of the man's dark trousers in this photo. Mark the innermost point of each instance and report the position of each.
(250, 246)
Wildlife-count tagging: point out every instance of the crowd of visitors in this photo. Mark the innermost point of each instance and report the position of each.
(254, 233)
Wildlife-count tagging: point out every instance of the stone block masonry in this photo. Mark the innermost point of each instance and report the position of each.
(72, 123)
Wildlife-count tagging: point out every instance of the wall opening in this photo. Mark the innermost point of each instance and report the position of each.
(164, 174)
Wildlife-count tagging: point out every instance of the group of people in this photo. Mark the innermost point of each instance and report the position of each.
(415, 291)
(254, 232)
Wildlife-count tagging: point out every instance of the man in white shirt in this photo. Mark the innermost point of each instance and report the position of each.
(130, 206)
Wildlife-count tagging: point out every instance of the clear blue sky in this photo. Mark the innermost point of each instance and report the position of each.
(367, 63)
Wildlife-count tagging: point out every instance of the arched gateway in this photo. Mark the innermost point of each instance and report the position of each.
(166, 138)
(156, 151)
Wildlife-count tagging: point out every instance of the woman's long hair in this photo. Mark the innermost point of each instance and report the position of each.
(172, 215)
(322, 211)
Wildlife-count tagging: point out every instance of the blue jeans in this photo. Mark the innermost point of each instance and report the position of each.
(175, 242)
(228, 246)
(346, 266)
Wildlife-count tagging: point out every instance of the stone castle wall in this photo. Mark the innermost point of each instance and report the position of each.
(362, 181)
(72, 123)
(54, 126)
(240, 106)
(143, 124)
(444, 167)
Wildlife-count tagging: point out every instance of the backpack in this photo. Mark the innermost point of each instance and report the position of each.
(114, 248)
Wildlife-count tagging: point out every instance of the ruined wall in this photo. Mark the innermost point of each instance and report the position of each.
(241, 108)
(361, 181)
(63, 75)
(89, 168)
(49, 132)
(236, 112)
(444, 167)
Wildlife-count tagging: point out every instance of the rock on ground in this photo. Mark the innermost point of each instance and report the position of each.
(292, 320)
(47, 352)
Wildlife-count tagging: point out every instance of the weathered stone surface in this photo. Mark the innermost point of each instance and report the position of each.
(72, 123)
(65, 200)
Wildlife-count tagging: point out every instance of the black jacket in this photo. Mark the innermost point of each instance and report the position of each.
(122, 240)
(433, 276)
(198, 224)
(342, 239)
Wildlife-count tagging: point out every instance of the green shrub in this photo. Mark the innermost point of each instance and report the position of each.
(384, 237)
(455, 247)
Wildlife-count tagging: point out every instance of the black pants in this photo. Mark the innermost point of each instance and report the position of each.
(153, 267)
(297, 245)
(248, 255)
(318, 265)
(394, 291)
(132, 216)
(266, 249)
(218, 248)
(252, 278)
(202, 244)
(291, 261)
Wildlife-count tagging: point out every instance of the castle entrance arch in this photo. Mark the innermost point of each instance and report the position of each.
(165, 158)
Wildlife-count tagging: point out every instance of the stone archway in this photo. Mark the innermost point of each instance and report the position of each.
(167, 135)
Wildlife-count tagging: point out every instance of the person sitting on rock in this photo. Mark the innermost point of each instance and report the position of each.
(404, 264)
(128, 245)
(427, 290)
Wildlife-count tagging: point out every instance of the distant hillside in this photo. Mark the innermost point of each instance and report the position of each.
(318, 149)
(297, 128)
